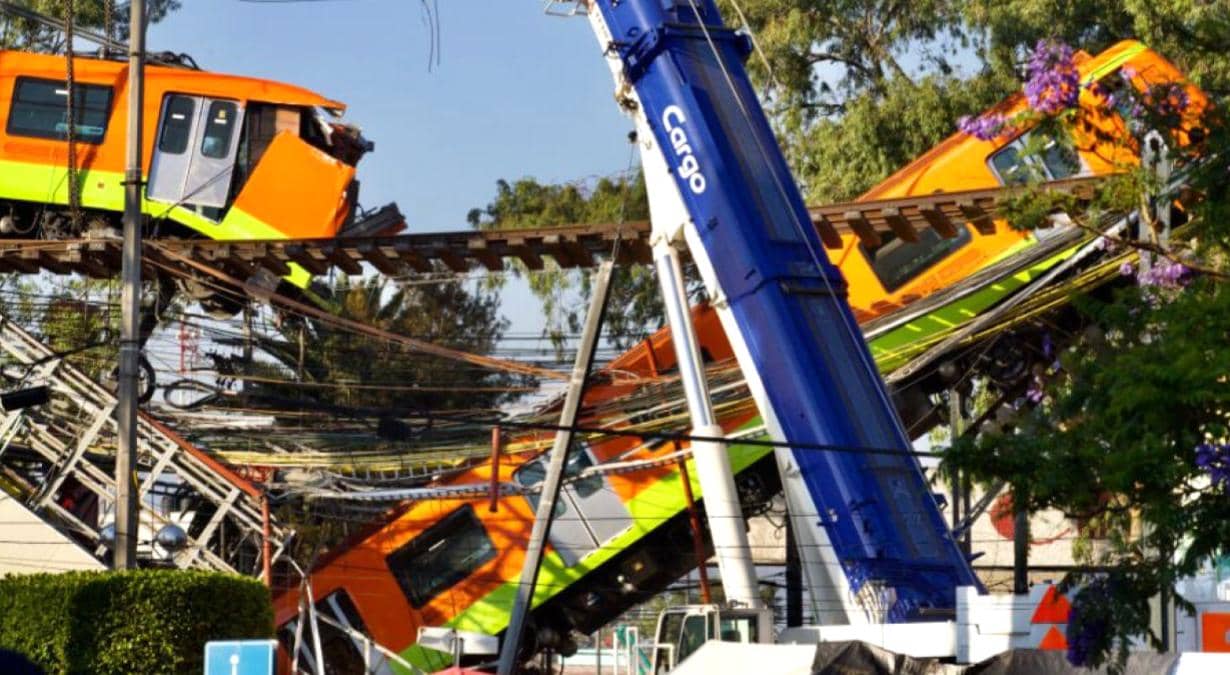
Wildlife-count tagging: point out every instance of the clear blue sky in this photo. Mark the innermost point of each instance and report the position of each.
(516, 93)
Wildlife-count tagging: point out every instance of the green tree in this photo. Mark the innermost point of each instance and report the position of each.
(21, 33)
(819, 53)
(838, 158)
(73, 317)
(1130, 432)
(858, 88)
(634, 306)
(1191, 33)
(1115, 445)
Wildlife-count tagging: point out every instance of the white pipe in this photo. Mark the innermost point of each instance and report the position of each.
(717, 481)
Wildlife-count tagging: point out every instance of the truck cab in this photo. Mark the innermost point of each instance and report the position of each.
(684, 629)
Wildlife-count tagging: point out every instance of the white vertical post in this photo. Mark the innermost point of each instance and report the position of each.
(717, 480)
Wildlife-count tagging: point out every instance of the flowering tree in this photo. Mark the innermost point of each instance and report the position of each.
(1128, 428)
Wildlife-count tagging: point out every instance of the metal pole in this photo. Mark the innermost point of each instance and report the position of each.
(956, 427)
(727, 526)
(266, 548)
(954, 432)
(317, 650)
(794, 578)
(1164, 616)
(493, 490)
(698, 544)
(126, 504)
(1020, 546)
(967, 537)
(555, 471)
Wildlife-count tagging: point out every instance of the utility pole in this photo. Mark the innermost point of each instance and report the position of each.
(551, 483)
(130, 303)
(1020, 545)
(955, 429)
(794, 578)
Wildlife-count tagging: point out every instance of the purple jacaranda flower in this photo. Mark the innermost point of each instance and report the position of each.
(1036, 391)
(1214, 459)
(1053, 83)
(1165, 273)
(1127, 269)
(1088, 621)
(1109, 96)
(1170, 100)
(983, 127)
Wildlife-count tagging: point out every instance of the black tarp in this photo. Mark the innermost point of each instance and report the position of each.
(860, 658)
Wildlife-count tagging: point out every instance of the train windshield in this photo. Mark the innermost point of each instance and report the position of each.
(1035, 158)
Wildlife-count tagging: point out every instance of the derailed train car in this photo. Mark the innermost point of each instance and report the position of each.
(226, 157)
(621, 537)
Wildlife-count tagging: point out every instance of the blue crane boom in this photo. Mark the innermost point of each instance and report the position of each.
(873, 534)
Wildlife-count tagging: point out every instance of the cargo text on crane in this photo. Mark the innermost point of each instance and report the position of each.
(689, 168)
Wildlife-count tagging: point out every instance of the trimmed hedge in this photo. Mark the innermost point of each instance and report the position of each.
(144, 621)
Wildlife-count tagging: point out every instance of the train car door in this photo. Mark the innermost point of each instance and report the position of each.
(588, 512)
(194, 153)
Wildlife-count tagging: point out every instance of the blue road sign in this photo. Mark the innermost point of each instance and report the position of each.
(240, 657)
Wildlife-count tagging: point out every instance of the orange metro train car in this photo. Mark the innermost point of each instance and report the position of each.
(225, 157)
(896, 272)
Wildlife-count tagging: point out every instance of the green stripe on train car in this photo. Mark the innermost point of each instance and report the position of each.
(896, 347)
(649, 509)
(104, 190)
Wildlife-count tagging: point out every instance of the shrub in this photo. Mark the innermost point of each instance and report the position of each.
(144, 621)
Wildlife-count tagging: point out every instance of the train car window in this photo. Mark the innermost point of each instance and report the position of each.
(1119, 89)
(39, 110)
(219, 130)
(1061, 160)
(1057, 160)
(1009, 166)
(177, 125)
(446, 553)
(532, 473)
(897, 262)
(578, 461)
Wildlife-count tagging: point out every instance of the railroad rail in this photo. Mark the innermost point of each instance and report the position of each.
(569, 246)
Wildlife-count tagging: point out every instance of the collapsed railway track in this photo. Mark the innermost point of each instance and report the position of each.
(571, 246)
